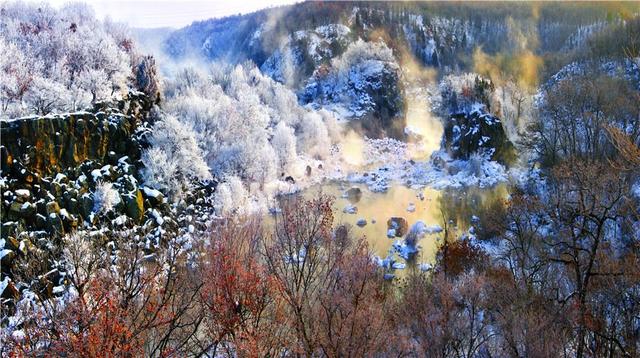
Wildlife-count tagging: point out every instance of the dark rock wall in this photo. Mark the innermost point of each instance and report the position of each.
(47, 145)
(469, 133)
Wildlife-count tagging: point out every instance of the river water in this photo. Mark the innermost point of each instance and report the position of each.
(458, 206)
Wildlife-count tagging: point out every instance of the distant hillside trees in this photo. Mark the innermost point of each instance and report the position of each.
(64, 60)
(575, 112)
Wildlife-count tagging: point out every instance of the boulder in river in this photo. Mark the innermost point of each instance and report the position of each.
(350, 209)
(354, 194)
(418, 230)
(400, 224)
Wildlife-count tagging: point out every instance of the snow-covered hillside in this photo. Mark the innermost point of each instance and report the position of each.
(363, 81)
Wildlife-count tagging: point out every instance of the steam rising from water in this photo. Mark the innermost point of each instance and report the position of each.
(424, 129)
(353, 148)
(518, 62)
(425, 125)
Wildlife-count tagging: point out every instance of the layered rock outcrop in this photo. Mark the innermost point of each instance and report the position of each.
(52, 165)
(49, 144)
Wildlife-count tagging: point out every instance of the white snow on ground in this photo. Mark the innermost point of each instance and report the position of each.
(4, 252)
(150, 192)
(3, 284)
(387, 162)
(23, 193)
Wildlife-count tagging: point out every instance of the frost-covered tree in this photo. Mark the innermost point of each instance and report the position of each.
(174, 159)
(284, 144)
(516, 107)
(146, 76)
(314, 136)
(105, 197)
(44, 96)
(361, 52)
(231, 196)
(95, 82)
(60, 60)
(16, 77)
(160, 171)
(464, 92)
(246, 124)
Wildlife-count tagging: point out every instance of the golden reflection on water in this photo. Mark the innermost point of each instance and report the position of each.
(457, 205)
(379, 207)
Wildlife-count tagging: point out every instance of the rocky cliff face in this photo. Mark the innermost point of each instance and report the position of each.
(305, 51)
(50, 144)
(330, 68)
(51, 166)
(369, 90)
(81, 171)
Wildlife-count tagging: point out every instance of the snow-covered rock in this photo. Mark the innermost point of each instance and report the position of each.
(23, 194)
(477, 132)
(425, 267)
(399, 225)
(364, 81)
(350, 209)
(405, 251)
(354, 194)
(320, 45)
